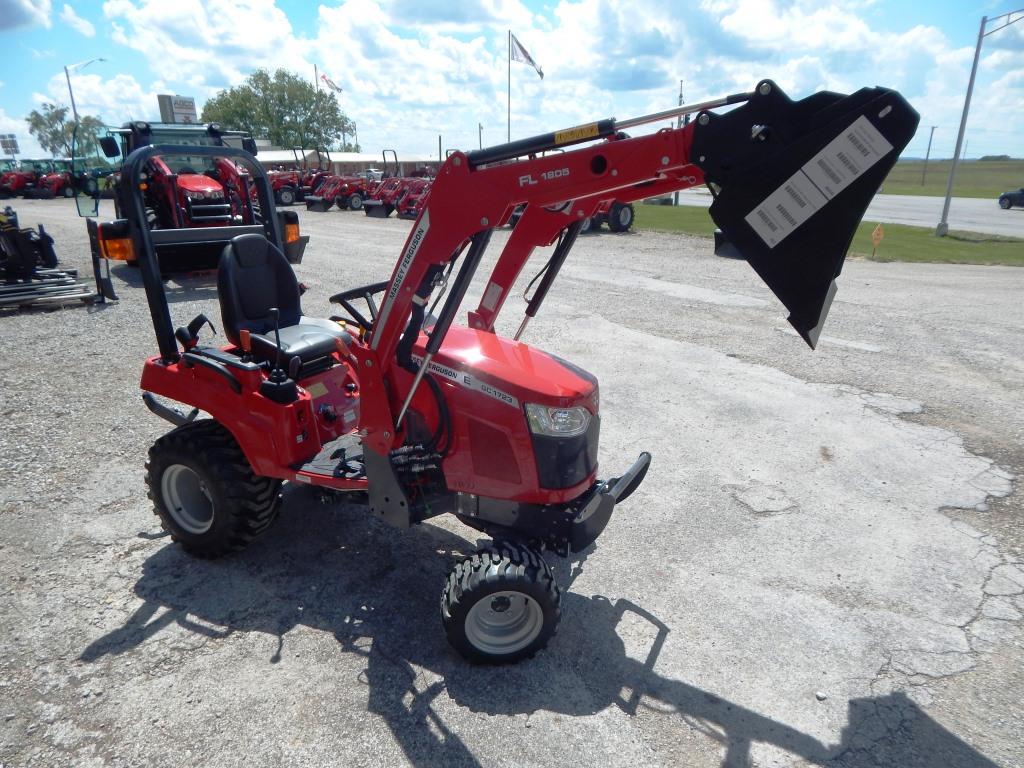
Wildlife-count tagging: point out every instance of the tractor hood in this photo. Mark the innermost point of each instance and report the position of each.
(196, 183)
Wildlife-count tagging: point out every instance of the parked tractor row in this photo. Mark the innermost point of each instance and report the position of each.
(47, 178)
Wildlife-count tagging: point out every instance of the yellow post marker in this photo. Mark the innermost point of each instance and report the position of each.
(876, 238)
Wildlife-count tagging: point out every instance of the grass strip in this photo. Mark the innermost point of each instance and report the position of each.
(900, 243)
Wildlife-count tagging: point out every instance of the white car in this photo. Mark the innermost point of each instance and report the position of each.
(372, 174)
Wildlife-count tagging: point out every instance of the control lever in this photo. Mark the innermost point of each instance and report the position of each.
(280, 386)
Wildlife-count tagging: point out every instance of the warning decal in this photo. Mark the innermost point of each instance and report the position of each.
(833, 169)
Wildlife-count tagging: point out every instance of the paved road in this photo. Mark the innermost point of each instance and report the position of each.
(965, 213)
(824, 567)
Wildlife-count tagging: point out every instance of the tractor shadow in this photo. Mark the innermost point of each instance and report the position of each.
(333, 568)
(179, 287)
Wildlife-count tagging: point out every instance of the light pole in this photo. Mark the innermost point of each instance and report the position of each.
(943, 227)
(67, 75)
(927, 154)
(480, 128)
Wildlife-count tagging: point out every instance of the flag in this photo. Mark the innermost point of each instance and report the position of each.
(519, 53)
(330, 83)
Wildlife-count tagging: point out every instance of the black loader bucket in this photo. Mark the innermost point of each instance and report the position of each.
(377, 209)
(319, 204)
(792, 180)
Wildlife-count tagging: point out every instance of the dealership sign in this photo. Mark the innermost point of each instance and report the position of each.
(177, 109)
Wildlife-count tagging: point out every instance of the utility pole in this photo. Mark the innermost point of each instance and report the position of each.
(943, 227)
(480, 128)
(927, 154)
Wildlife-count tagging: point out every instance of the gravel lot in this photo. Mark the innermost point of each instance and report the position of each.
(825, 565)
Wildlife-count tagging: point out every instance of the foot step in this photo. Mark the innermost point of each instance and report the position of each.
(342, 457)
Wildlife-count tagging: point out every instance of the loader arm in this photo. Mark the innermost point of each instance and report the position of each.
(791, 180)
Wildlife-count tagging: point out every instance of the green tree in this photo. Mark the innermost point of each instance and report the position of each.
(55, 132)
(284, 108)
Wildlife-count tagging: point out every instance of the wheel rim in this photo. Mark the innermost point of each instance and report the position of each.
(504, 622)
(625, 217)
(187, 499)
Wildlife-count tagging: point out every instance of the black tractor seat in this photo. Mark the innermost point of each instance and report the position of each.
(253, 277)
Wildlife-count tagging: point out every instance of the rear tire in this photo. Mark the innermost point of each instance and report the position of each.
(620, 217)
(205, 493)
(501, 605)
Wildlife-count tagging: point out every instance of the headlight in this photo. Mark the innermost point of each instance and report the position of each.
(557, 422)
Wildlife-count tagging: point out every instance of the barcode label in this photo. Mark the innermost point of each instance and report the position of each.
(786, 209)
(848, 156)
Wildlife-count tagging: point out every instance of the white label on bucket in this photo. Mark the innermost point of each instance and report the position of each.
(833, 169)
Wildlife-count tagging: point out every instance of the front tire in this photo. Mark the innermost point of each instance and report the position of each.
(286, 196)
(620, 217)
(68, 191)
(205, 493)
(1004, 203)
(355, 201)
(501, 605)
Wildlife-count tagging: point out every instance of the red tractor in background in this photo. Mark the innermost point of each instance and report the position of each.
(413, 197)
(422, 416)
(25, 179)
(66, 183)
(347, 192)
(190, 193)
(300, 181)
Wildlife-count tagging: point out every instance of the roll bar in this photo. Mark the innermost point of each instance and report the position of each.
(130, 192)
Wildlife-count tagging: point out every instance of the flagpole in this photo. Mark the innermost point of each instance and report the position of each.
(509, 85)
(316, 78)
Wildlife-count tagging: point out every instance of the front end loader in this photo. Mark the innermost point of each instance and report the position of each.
(395, 401)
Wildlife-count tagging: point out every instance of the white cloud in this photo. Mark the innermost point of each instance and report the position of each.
(205, 45)
(411, 70)
(76, 22)
(25, 13)
(115, 99)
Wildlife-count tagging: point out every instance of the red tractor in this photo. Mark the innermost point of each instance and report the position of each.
(414, 196)
(300, 181)
(422, 416)
(190, 193)
(347, 192)
(66, 183)
(25, 180)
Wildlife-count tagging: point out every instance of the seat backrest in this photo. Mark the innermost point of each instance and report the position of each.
(253, 276)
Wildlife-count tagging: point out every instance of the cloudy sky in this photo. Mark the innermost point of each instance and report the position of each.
(412, 69)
